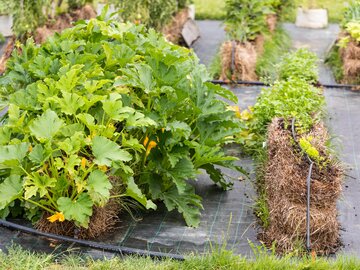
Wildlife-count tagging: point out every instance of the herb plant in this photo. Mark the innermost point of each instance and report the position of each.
(108, 100)
(301, 64)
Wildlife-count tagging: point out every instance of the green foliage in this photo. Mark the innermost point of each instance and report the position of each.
(351, 13)
(221, 258)
(333, 59)
(353, 28)
(287, 99)
(302, 65)
(307, 147)
(245, 20)
(28, 15)
(152, 13)
(107, 99)
(274, 49)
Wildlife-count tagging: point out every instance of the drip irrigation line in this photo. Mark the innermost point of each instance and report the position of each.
(91, 244)
(308, 185)
(353, 87)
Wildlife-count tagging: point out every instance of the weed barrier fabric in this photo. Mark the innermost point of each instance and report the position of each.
(227, 219)
(228, 216)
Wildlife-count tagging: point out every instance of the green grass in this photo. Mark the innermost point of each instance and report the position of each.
(210, 9)
(20, 259)
(274, 48)
(333, 59)
(215, 9)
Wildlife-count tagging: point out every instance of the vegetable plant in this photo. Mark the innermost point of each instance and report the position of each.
(108, 104)
(152, 13)
(301, 64)
(245, 20)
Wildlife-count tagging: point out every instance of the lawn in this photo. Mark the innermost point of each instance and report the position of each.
(214, 9)
(20, 259)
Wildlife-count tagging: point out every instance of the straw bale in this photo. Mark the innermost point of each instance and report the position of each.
(245, 57)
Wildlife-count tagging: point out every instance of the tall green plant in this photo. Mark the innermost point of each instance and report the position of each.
(245, 19)
(152, 13)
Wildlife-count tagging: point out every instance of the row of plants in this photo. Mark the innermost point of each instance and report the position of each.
(250, 27)
(109, 111)
(344, 57)
(152, 13)
(30, 14)
(282, 158)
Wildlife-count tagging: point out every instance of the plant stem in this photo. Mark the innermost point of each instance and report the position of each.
(41, 206)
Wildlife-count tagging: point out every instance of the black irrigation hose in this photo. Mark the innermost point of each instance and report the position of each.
(346, 86)
(308, 185)
(105, 247)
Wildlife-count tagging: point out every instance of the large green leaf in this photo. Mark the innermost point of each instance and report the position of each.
(38, 155)
(78, 210)
(46, 126)
(70, 103)
(10, 190)
(106, 151)
(13, 152)
(183, 170)
(98, 187)
(36, 183)
(188, 204)
(134, 192)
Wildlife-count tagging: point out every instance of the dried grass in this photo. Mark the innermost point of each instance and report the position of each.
(245, 57)
(271, 21)
(62, 22)
(350, 56)
(285, 184)
(7, 53)
(104, 219)
(172, 31)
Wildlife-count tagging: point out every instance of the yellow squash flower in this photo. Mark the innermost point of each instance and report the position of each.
(30, 148)
(83, 163)
(149, 145)
(58, 216)
(146, 141)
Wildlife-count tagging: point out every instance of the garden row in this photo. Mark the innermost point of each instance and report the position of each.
(288, 116)
(41, 19)
(103, 116)
(254, 39)
(344, 57)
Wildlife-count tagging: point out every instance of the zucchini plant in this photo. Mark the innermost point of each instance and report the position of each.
(108, 100)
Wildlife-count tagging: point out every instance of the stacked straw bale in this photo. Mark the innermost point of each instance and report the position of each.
(351, 62)
(285, 184)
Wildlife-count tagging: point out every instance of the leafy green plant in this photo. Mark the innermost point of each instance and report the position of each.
(287, 99)
(109, 100)
(307, 148)
(333, 59)
(353, 28)
(302, 64)
(27, 14)
(352, 13)
(274, 48)
(152, 13)
(2, 39)
(245, 20)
